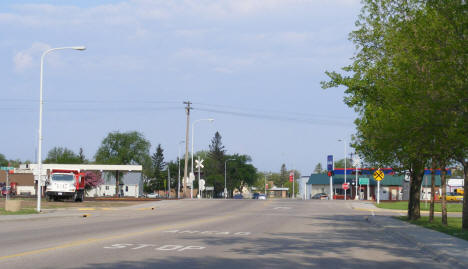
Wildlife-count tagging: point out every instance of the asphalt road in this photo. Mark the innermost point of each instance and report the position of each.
(208, 234)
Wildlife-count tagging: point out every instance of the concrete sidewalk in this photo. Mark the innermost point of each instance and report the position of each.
(442, 247)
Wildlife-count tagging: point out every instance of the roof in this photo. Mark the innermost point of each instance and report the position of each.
(389, 180)
(85, 167)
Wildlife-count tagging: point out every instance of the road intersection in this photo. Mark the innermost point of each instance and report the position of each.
(216, 234)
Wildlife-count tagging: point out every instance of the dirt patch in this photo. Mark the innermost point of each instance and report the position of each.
(121, 202)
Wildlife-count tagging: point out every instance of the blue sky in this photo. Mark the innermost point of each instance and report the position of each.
(253, 66)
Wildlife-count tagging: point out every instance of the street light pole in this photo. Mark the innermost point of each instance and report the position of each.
(344, 142)
(225, 186)
(178, 164)
(41, 102)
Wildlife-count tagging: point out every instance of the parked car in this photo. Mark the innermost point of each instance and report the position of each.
(255, 195)
(453, 196)
(238, 196)
(320, 196)
(262, 197)
(152, 195)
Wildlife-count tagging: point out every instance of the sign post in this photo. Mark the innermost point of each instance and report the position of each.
(291, 179)
(357, 163)
(378, 175)
(7, 169)
(199, 165)
(330, 170)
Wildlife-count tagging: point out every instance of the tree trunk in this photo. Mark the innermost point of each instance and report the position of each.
(414, 209)
(431, 209)
(116, 183)
(465, 198)
(443, 184)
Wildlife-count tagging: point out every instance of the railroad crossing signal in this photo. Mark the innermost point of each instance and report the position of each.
(199, 163)
(378, 175)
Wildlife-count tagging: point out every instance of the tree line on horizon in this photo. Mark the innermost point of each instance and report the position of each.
(133, 148)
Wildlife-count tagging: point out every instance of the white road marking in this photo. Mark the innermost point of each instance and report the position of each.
(170, 247)
(144, 245)
(207, 232)
(162, 248)
(281, 207)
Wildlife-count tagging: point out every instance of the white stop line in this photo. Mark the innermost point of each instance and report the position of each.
(161, 248)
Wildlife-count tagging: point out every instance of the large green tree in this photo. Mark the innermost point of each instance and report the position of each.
(123, 148)
(215, 162)
(158, 171)
(64, 156)
(408, 82)
(240, 173)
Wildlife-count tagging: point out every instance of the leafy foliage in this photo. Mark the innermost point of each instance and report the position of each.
(123, 148)
(92, 179)
(64, 156)
(408, 83)
(3, 160)
(318, 169)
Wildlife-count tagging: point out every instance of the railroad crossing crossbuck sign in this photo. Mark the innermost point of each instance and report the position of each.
(378, 175)
(199, 163)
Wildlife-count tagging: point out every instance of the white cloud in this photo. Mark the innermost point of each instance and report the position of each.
(25, 59)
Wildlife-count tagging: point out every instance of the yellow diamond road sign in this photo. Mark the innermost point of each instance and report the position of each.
(378, 175)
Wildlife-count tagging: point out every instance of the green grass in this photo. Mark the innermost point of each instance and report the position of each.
(21, 212)
(453, 228)
(403, 205)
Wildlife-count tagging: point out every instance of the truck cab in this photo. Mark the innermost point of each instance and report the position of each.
(65, 184)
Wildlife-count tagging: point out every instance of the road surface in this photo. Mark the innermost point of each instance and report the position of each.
(208, 234)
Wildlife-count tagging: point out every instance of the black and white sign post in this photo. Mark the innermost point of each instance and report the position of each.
(199, 165)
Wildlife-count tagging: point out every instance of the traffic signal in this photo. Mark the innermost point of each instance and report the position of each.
(331, 173)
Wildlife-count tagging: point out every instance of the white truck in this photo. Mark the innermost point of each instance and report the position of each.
(65, 184)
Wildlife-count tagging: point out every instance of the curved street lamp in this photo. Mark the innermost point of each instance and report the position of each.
(39, 147)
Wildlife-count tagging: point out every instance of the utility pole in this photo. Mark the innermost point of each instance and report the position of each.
(187, 110)
(168, 182)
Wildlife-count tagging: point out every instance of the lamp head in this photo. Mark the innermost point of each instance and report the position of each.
(79, 48)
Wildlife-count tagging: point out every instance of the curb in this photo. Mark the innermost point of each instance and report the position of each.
(437, 254)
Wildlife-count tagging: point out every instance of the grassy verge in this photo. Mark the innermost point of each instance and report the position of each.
(453, 228)
(403, 205)
(23, 211)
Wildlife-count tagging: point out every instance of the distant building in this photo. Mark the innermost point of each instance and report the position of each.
(392, 187)
(131, 183)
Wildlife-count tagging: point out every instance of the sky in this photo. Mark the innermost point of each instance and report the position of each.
(255, 67)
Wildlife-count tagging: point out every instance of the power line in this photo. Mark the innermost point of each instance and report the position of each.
(275, 117)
